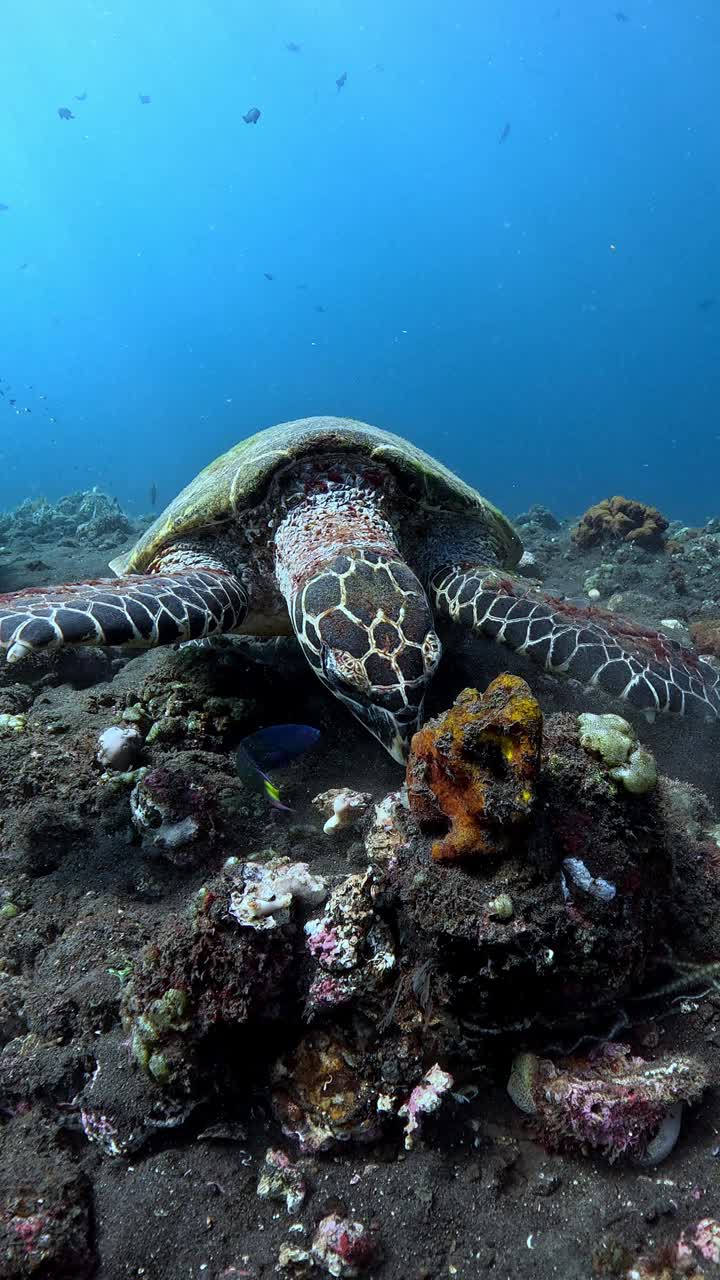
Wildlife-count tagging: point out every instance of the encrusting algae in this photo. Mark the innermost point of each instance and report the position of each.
(476, 768)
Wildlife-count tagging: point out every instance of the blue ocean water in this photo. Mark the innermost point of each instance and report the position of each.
(500, 236)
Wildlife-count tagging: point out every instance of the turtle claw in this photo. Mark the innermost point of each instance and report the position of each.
(18, 651)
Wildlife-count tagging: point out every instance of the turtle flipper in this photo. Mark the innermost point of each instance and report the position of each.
(643, 667)
(143, 610)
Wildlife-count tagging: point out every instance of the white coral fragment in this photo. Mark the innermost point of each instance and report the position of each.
(269, 889)
(343, 806)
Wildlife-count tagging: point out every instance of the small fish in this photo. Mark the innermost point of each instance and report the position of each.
(4, 208)
(619, 16)
(272, 748)
(341, 80)
(705, 304)
(292, 47)
(252, 116)
(144, 98)
(153, 494)
(65, 113)
(268, 275)
(505, 132)
(81, 97)
(319, 309)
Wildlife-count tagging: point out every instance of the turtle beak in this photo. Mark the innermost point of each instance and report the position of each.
(394, 732)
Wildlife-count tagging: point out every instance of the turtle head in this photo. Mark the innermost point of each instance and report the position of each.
(366, 628)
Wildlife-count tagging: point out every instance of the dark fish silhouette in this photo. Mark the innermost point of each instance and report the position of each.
(153, 494)
(4, 208)
(505, 132)
(81, 97)
(65, 113)
(705, 304)
(292, 47)
(341, 80)
(252, 116)
(23, 266)
(144, 98)
(619, 16)
(320, 309)
(270, 749)
(268, 275)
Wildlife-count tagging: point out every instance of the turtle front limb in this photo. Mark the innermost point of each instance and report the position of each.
(143, 610)
(645, 668)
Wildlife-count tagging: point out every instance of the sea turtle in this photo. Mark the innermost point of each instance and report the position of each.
(351, 537)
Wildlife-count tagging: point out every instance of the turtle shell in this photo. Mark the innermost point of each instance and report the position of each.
(238, 480)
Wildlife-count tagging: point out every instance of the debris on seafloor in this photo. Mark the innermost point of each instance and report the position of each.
(322, 1095)
(46, 1205)
(342, 1247)
(621, 520)
(425, 1098)
(342, 807)
(10, 723)
(170, 807)
(475, 768)
(282, 1180)
(388, 828)
(351, 944)
(615, 740)
(609, 1101)
(119, 747)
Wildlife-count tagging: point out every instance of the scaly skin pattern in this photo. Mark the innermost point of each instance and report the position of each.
(642, 667)
(360, 614)
(143, 610)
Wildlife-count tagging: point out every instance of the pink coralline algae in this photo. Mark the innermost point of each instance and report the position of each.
(342, 1247)
(352, 946)
(610, 1101)
(707, 1239)
(425, 1098)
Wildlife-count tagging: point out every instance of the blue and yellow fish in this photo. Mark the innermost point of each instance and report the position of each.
(271, 749)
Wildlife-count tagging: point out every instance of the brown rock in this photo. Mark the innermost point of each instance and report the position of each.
(621, 520)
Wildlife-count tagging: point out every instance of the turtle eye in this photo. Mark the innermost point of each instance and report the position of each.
(431, 652)
(342, 667)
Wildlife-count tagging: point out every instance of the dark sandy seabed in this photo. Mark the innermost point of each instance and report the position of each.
(478, 1195)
